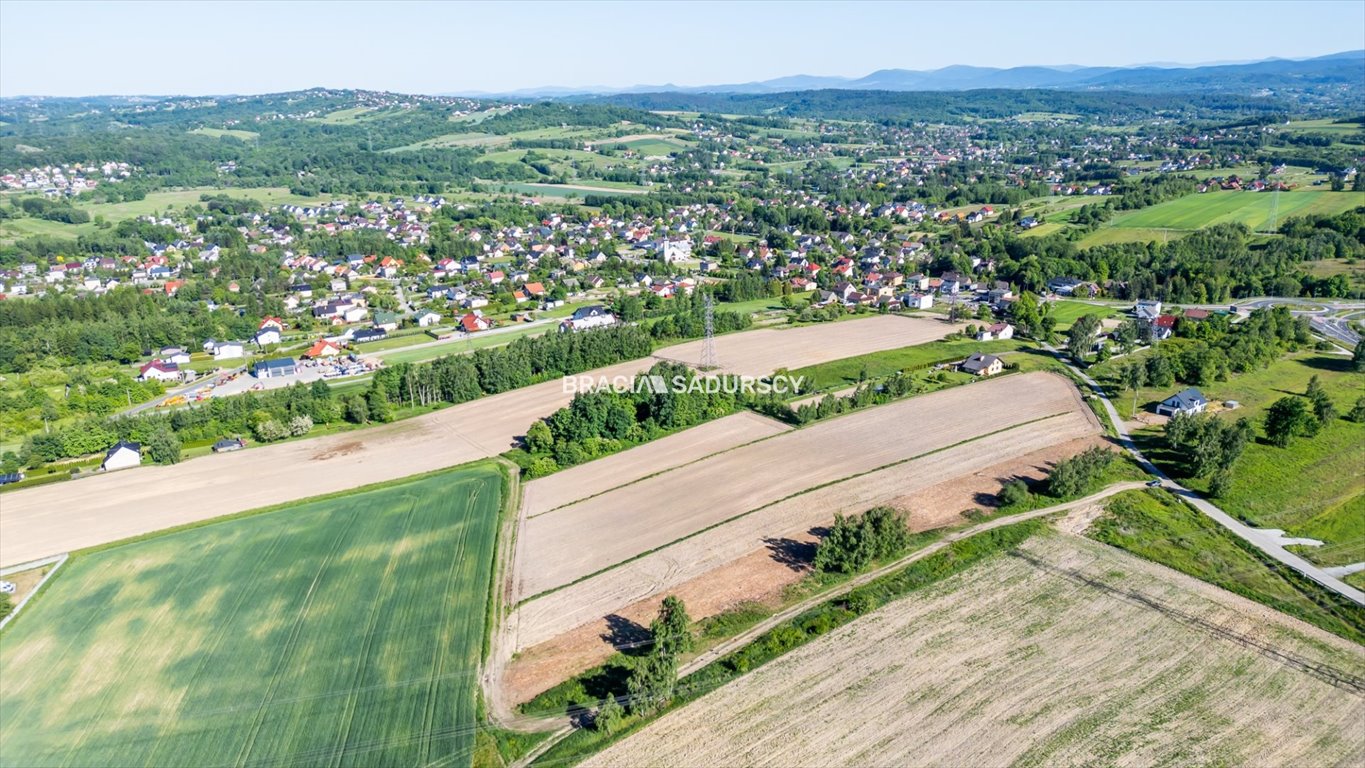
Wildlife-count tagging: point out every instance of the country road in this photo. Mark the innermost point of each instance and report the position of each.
(1268, 540)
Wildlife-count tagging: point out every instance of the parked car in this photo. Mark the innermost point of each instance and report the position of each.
(7, 587)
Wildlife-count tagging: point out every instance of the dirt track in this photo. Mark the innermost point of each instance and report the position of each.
(967, 672)
(773, 488)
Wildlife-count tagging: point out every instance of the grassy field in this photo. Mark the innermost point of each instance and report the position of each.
(1155, 525)
(649, 147)
(1315, 485)
(560, 190)
(342, 632)
(1253, 209)
(460, 346)
(1068, 312)
(851, 370)
(219, 133)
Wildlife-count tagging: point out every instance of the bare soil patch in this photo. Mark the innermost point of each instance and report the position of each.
(775, 488)
(595, 477)
(967, 672)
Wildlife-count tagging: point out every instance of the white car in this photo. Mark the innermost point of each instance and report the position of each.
(7, 587)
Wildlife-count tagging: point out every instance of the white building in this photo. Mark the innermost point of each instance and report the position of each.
(122, 456)
(588, 317)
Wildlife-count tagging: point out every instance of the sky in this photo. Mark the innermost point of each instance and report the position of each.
(61, 48)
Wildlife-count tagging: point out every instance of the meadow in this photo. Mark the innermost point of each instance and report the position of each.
(1312, 488)
(1254, 209)
(344, 631)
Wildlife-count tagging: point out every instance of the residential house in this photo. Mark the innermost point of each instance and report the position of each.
(122, 456)
(229, 444)
(979, 364)
(322, 348)
(1187, 401)
(584, 318)
(474, 322)
(427, 318)
(228, 350)
(158, 370)
(998, 331)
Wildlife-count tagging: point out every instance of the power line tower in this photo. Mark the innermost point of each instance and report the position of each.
(709, 360)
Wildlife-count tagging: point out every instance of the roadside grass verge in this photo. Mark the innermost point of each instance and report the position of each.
(1157, 526)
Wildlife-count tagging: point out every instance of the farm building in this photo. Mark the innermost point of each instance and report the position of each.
(267, 369)
(1187, 401)
(122, 456)
(982, 365)
(584, 318)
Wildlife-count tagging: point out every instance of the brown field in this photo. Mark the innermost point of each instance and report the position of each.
(1019, 662)
(595, 477)
(66, 516)
(760, 352)
(779, 487)
(762, 575)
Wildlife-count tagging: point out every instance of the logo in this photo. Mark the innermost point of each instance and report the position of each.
(712, 385)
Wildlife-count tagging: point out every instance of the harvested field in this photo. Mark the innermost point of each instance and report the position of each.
(595, 477)
(776, 487)
(67, 516)
(967, 672)
(761, 575)
(760, 352)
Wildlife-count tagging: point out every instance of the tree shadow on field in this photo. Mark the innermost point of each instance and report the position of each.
(796, 555)
(628, 637)
(1341, 364)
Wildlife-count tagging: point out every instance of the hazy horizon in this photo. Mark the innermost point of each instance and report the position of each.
(216, 48)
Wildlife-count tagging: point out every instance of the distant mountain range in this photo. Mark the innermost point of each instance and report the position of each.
(1338, 69)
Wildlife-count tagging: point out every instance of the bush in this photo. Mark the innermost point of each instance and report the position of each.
(543, 466)
(1014, 492)
(855, 542)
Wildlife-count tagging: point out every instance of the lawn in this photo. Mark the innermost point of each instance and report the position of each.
(1254, 209)
(1068, 312)
(458, 346)
(1312, 488)
(345, 631)
(650, 147)
(851, 370)
(1155, 525)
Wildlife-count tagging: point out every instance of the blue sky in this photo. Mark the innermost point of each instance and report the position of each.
(80, 48)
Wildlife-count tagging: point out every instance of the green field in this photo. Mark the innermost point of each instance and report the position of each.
(649, 147)
(1068, 312)
(851, 370)
(1253, 209)
(338, 632)
(560, 190)
(1312, 488)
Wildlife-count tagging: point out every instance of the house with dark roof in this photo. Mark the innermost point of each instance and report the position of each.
(1187, 401)
(584, 318)
(122, 456)
(982, 365)
(268, 369)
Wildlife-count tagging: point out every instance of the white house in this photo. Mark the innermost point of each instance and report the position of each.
(1001, 331)
(427, 318)
(588, 317)
(1187, 401)
(917, 300)
(158, 370)
(267, 336)
(228, 350)
(122, 456)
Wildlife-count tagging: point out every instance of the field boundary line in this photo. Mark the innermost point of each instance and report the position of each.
(1321, 670)
(60, 560)
(789, 497)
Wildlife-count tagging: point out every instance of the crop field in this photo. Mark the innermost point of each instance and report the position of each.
(67, 516)
(1250, 208)
(339, 632)
(761, 352)
(602, 475)
(725, 506)
(966, 672)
